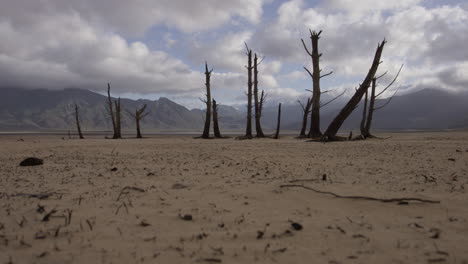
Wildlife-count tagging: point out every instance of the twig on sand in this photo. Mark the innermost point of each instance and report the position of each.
(129, 188)
(389, 200)
(40, 196)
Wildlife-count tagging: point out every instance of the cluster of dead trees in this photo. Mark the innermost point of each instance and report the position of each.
(314, 104)
(310, 108)
(211, 108)
(114, 110)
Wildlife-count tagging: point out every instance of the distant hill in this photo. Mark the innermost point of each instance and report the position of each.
(53, 110)
(40, 109)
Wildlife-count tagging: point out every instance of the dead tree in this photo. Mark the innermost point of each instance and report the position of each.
(114, 111)
(365, 133)
(206, 130)
(138, 116)
(258, 116)
(278, 122)
(306, 111)
(364, 112)
(77, 118)
(316, 76)
(332, 130)
(305, 116)
(217, 132)
(248, 128)
(263, 97)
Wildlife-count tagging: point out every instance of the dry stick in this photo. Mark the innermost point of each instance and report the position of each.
(39, 196)
(390, 200)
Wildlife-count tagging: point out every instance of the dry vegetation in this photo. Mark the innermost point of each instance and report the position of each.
(181, 200)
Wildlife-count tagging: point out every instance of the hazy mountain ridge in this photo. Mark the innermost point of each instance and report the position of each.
(53, 110)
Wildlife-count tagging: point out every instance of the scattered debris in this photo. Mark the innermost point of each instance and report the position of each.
(280, 250)
(46, 217)
(178, 186)
(40, 209)
(260, 234)
(210, 260)
(186, 217)
(435, 233)
(143, 223)
(40, 235)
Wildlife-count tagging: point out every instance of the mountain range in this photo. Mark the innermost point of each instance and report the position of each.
(46, 110)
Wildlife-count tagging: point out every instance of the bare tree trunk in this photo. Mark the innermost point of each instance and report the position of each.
(115, 114)
(262, 100)
(206, 130)
(316, 92)
(77, 117)
(371, 110)
(258, 126)
(248, 129)
(118, 132)
(278, 123)
(138, 128)
(110, 109)
(315, 115)
(305, 116)
(335, 125)
(364, 117)
(138, 116)
(217, 132)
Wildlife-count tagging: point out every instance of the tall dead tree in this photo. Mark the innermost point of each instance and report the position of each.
(278, 122)
(248, 128)
(316, 76)
(138, 116)
(113, 109)
(217, 132)
(365, 132)
(77, 118)
(206, 129)
(332, 130)
(257, 101)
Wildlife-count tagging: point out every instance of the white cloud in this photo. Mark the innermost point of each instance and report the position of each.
(424, 39)
(137, 16)
(49, 54)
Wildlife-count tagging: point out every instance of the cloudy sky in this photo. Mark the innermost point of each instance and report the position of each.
(152, 48)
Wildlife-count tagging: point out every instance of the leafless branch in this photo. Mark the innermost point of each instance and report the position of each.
(305, 47)
(388, 200)
(325, 75)
(308, 71)
(336, 97)
(388, 101)
(391, 83)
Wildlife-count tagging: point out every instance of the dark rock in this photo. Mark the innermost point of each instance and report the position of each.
(186, 217)
(31, 162)
(296, 226)
(260, 234)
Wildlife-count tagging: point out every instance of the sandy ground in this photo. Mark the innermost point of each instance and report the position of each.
(122, 201)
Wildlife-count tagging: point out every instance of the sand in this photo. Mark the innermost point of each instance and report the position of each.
(124, 201)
